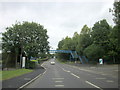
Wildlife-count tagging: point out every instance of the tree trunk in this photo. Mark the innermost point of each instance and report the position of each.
(16, 61)
(6, 64)
(113, 59)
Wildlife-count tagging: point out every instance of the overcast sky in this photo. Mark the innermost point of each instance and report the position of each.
(60, 18)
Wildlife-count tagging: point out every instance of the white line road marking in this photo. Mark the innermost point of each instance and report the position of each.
(75, 75)
(31, 81)
(42, 64)
(100, 78)
(57, 78)
(110, 81)
(58, 81)
(59, 85)
(65, 70)
(93, 85)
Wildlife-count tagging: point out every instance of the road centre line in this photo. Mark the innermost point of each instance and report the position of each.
(65, 70)
(75, 75)
(93, 85)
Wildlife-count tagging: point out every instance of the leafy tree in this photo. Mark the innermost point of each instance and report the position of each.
(84, 40)
(114, 47)
(94, 52)
(115, 34)
(100, 32)
(116, 12)
(26, 37)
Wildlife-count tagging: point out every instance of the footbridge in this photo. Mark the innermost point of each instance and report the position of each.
(73, 55)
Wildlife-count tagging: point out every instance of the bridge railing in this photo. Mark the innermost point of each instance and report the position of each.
(73, 54)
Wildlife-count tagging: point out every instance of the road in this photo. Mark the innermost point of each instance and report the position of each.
(67, 76)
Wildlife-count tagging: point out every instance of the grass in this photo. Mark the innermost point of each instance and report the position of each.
(13, 73)
(0, 75)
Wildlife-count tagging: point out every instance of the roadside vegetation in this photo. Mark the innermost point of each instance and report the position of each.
(100, 41)
(14, 73)
(26, 39)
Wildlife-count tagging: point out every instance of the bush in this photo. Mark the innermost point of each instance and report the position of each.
(94, 52)
(31, 64)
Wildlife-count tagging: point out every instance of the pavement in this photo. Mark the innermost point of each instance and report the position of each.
(17, 82)
(69, 76)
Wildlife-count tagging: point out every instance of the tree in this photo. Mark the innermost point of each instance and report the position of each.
(116, 12)
(100, 32)
(84, 40)
(115, 33)
(26, 37)
(114, 47)
(94, 52)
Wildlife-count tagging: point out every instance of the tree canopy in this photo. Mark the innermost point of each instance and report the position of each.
(100, 41)
(28, 37)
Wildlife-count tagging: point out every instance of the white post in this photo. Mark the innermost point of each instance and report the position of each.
(100, 61)
(23, 62)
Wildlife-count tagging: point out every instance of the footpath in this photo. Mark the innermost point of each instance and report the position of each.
(17, 82)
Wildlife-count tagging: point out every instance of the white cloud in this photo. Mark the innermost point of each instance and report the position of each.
(61, 19)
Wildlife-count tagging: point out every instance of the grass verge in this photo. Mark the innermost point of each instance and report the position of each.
(13, 73)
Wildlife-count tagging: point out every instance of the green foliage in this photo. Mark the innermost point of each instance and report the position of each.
(27, 36)
(100, 32)
(102, 41)
(94, 52)
(84, 39)
(77, 43)
(116, 12)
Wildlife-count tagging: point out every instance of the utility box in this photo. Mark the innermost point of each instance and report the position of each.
(23, 62)
(100, 61)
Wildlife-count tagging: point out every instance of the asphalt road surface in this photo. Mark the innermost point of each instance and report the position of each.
(67, 76)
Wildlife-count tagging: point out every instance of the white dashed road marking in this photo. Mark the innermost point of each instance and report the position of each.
(93, 85)
(65, 70)
(75, 75)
